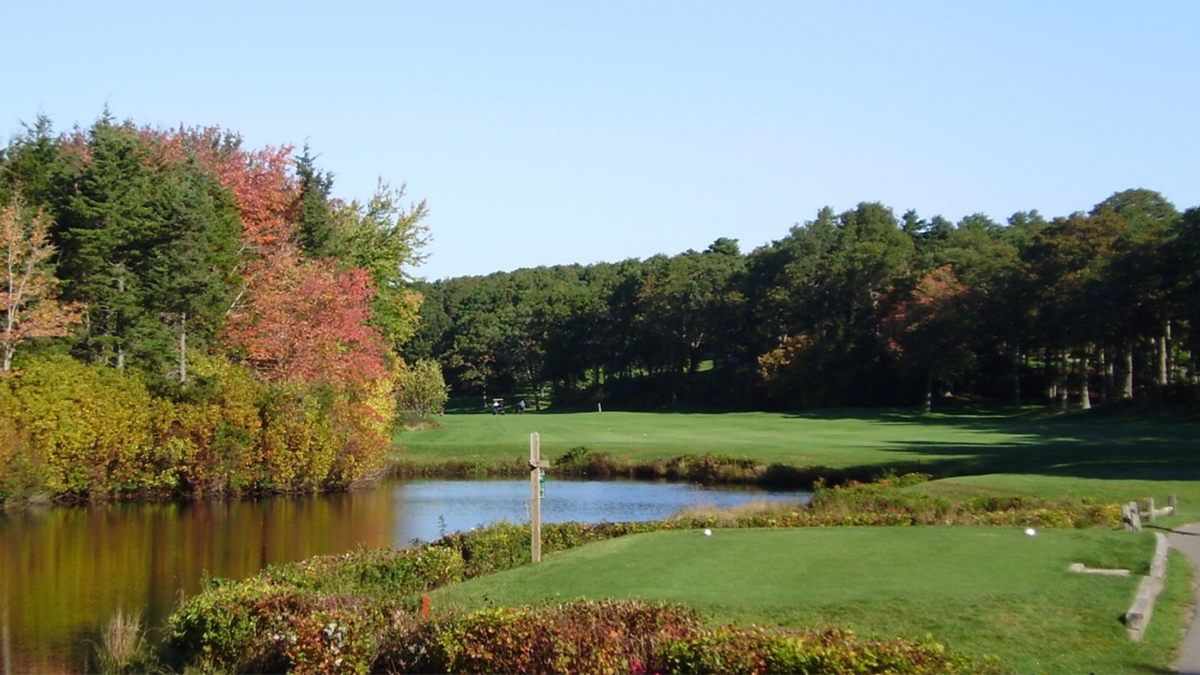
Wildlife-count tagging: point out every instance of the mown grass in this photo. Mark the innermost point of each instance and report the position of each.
(979, 590)
(958, 442)
(829, 440)
(1102, 456)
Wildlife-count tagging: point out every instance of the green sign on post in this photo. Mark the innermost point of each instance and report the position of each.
(541, 483)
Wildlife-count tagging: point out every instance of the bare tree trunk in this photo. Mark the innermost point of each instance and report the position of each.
(1085, 397)
(1049, 376)
(1168, 345)
(1063, 370)
(1161, 347)
(1127, 387)
(928, 405)
(1106, 366)
(1193, 371)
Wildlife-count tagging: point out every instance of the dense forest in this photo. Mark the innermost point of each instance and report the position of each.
(183, 315)
(848, 309)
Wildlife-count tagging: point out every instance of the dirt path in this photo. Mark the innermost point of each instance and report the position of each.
(1186, 539)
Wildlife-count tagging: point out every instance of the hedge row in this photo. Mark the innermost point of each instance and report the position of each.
(73, 431)
(306, 634)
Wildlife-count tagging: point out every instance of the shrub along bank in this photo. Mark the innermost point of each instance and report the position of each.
(73, 432)
(357, 612)
(706, 468)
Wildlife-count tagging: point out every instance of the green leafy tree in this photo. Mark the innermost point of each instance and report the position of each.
(421, 388)
(1139, 280)
(1183, 252)
(1066, 263)
(386, 238)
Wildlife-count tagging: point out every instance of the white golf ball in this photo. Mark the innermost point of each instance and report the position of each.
(707, 532)
(1030, 531)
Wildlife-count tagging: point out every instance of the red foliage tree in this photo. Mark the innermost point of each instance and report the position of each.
(302, 320)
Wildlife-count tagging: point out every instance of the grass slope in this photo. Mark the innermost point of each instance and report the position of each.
(980, 590)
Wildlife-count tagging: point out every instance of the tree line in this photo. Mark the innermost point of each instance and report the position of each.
(854, 308)
(248, 321)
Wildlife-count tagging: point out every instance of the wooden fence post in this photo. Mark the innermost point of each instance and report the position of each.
(536, 466)
(1131, 517)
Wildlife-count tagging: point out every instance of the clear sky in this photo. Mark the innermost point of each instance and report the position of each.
(548, 133)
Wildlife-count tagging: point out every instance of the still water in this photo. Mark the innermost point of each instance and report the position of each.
(65, 571)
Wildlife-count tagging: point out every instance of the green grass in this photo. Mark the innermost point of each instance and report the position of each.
(983, 590)
(1058, 487)
(960, 442)
(828, 440)
(980, 590)
(1115, 458)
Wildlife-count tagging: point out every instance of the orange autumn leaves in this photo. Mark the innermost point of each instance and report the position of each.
(304, 320)
(295, 318)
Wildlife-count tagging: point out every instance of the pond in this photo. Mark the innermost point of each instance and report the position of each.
(64, 571)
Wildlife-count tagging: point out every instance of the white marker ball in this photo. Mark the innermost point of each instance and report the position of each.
(1030, 531)
(707, 532)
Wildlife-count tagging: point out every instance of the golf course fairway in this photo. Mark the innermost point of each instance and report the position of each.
(982, 590)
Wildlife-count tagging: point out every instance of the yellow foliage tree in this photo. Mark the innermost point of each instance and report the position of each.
(29, 304)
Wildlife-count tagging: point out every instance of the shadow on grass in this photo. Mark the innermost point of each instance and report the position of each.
(1112, 442)
(1080, 444)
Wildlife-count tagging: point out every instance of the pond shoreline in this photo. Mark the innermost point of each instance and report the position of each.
(706, 469)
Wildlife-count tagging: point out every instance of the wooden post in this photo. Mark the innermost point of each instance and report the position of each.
(1150, 508)
(1135, 517)
(1171, 503)
(536, 466)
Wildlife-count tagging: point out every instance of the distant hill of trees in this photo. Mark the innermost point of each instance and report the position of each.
(854, 308)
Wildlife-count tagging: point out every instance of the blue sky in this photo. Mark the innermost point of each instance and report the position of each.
(558, 132)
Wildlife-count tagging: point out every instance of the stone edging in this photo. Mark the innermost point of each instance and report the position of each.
(1082, 569)
(1138, 616)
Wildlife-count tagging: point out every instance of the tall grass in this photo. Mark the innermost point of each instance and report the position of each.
(123, 647)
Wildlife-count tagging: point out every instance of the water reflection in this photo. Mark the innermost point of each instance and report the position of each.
(65, 571)
(427, 509)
